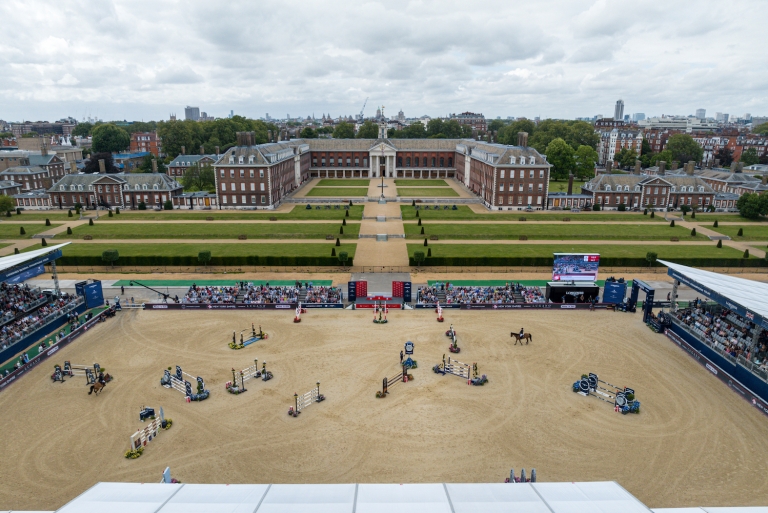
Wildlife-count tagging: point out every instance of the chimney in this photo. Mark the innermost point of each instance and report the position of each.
(691, 167)
(637, 166)
(183, 150)
(765, 180)
(734, 167)
(717, 162)
(269, 135)
(675, 165)
(570, 183)
(154, 165)
(202, 150)
(740, 167)
(43, 147)
(217, 150)
(102, 166)
(522, 139)
(608, 167)
(72, 167)
(662, 168)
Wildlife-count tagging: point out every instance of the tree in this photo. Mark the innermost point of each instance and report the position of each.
(110, 138)
(496, 125)
(93, 163)
(560, 155)
(204, 257)
(6, 204)
(435, 129)
(626, 157)
(752, 206)
(83, 129)
(111, 256)
(168, 205)
(308, 133)
(508, 134)
(585, 160)
(368, 130)
(344, 131)
(684, 148)
(415, 130)
(146, 164)
(198, 179)
(651, 258)
(749, 157)
(418, 257)
(725, 156)
(343, 258)
(761, 129)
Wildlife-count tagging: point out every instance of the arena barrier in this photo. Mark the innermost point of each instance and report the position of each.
(148, 433)
(522, 306)
(237, 306)
(303, 401)
(82, 370)
(618, 397)
(177, 382)
(63, 342)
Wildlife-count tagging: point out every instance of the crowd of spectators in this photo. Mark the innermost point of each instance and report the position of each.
(726, 331)
(15, 300)
(323, 295)
(260, 294)
(509, 293)
(208, 295)
(31, 320)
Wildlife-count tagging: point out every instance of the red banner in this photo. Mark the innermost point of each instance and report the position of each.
(397, 289)
(362, 288)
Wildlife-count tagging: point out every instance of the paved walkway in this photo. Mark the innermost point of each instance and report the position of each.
(369, 252)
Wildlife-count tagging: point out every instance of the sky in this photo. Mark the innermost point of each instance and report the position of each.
(143, 60)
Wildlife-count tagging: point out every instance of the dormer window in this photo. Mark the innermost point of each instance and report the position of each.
(626, 188)
(637, 188)
(701, 188)
(240, 159)
(79, 187)
(137, 187)
(62, 188)
(511, 160)
(673, 188)
(250, 159)
(144, 186)
(231, 159)
(533, 161)
(155, 187)
(522, 161)
(607, 187)
(71, 187)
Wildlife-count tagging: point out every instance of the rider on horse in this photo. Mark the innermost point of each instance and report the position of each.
(522, 332)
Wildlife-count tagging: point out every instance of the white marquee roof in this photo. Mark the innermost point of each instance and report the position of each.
(14, 260)
(747, 293)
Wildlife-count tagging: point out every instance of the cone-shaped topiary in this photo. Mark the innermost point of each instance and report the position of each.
(22, 231)
(69, 213)
(693, 215)
(419, 221)
(43, 243)
(69, 230)
(741, 232)
(422, 230)
(719, 244)
(110, 214)
(693, 232)
(117, 210)
(746, 253)
(653, 214)
(715, 225)
(47, 222)
(341, 230)
(645, 212)
(333, 251)
(417, 213)
(350, 203)
(344, 222)
(338, 243)
(346, 213)
(429, 252)
(90, 222)
(15, 251)
(413, 203)
(672, 223)
(425, 242)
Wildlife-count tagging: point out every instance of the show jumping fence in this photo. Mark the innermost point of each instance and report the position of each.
(386, 383)
(146, 434)
(456, 368)
(303, 401)
(82, 370)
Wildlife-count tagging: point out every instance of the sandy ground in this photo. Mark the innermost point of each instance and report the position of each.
(695, 442)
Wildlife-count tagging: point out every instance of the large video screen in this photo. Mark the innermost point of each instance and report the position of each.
(575, 267)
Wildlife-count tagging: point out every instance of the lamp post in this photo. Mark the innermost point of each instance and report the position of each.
(318, 389)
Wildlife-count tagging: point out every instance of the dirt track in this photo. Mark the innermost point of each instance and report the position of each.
(695, 442)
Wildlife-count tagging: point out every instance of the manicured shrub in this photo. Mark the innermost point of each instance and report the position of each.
(422, 230)
(672, 223)
(746, 253)
(47, 222)
(333, 252)
(425, 242)
(69, 213)
(43, 243)
(719, 244)
(22, 231)
(69, 230)
(715, 224)
(338, 243)
(343, 222)
(90, 222)
(693, 232)
(741, 232)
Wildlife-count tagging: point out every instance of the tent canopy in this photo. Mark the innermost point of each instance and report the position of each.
(11, 261)
(745, 297)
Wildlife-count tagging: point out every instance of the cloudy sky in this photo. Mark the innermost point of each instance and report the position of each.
(142, 59)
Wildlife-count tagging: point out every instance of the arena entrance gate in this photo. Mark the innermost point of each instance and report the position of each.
(637, 286)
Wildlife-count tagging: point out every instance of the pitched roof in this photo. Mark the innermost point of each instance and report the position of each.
(23, 170)
(163, 181)
(43, 160)
(191, 159)
(7, 184)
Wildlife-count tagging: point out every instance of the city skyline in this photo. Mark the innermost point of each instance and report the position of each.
(551, 60)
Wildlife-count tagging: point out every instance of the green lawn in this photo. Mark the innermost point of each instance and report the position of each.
(560, 231)
(342, 182)
(420, 183)
(666, 252)
(13, 231)
(58, 216)
(213, 231)
(338, 192)
(192, 250)
(427, 192)
(562, 186)
(722, 218)
(464, 213)
(299, 213)
(751, 232)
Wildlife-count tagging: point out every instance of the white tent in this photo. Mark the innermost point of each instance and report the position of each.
(14, 260)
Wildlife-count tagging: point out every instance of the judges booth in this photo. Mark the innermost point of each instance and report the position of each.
(571, 292)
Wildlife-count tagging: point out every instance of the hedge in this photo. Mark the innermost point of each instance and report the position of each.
(604, 261)
(192, 261)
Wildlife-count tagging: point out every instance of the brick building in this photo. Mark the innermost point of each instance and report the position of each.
(472, 119)
(614, 140)
(33, 200)
(146, 142)
(179, 165)
(9, 187)
(30, 177)
(124, 190)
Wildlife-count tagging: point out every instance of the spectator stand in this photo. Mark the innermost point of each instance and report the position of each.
(726, 334)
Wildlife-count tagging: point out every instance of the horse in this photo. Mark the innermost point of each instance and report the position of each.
(526, 336)
(99, 386)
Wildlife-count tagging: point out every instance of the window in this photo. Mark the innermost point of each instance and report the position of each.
(261, 186)
(250, 159)
(261, 173)
(365, 162)
(637, 188)
(522, 161)
(530, 188)
(79, 187)
(530, 174)
(442, 162)
(253, 186)
(253, 199)
(530, 199)
(519, 198)
(520, 187)
(322, 162)
(522, 174)
(349, 162)
(541, 173)
(242, 173)
(106, 188)
(61, 187)
(240, 159)
(655, 190)
(250, 172)
(242, 186)
(399, 161)
(231, 161)
(242, 198)
(511, 160)
(222, 173)
(263, 199)
(501, 174)
(654, 201)
(433, 161)
(234, 188)
(533, 161)
(144, 186)
(71, 187)
(223, 187)
(332, 161)
(155, 187)
(231, 173)
(314, 162)
(541, 188)
(224, 199)
(501, 187)
(407, 161)
(538, 200)
(673, 188)
(357, 161)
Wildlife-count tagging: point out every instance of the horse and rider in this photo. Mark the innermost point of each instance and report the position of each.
(99, 385)
(519, 337)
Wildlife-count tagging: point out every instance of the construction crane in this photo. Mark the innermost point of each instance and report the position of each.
(363, 109)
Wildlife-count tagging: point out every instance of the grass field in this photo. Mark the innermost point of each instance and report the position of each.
(723, 218)
(299, 213)
(427, 192)
(338, 192)
(464, 213)
(562, 186)
(546, 250)
(12, 231)
(217, 250)
(561, 231)
(58, 216)
(213, 231)
(342, 182)
(420, 183)
(751, 232)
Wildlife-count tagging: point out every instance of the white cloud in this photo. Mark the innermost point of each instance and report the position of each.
(552, 58)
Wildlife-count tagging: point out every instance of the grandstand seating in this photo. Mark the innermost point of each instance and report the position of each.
(507, 294)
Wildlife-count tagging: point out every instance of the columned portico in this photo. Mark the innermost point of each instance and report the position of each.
(382, 154)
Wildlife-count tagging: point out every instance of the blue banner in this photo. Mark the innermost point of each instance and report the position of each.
(26, 274)
(614, 292)
(10, 275)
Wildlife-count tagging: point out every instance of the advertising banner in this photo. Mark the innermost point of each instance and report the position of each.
(614, 292)
(223, 306)
(10, 275)
(575, 266)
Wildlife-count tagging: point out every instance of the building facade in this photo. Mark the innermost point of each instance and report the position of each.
(181, 163)
(648, 191)
(124, 190)
(30, 177)
(475, 120)
(146, 142)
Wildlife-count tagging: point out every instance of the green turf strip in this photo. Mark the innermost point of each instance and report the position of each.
(464, 213)
(559, 231)
(502, 283)
(49, 337)
(338, 192)
(427, 192)
(215, 230)
(13, 231)
(220, 283)
(299, 213)
(420, 183)
(749, 232)
(342, 182)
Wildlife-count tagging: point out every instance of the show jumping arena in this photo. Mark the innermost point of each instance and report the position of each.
(694, 442)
